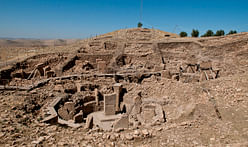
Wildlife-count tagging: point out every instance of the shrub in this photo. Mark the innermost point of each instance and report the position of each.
(220, 33)
(195, 33)
(208, 33)
(140, 25)
(183, 34)
(232, 32)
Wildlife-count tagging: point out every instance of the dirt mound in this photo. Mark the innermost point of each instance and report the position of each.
(139, 34)
(129, 87)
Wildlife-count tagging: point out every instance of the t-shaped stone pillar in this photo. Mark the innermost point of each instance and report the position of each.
(101, 66)
(117, 90)
(109, 104)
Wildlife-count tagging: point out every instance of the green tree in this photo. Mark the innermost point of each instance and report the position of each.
(220, 33)
(208, 33)
(195, 33)
(183, 34)
(140, 25)
(232, 32)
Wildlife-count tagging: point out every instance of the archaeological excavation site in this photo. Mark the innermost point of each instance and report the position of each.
(131, 87)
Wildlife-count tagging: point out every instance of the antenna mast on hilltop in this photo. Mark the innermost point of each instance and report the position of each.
(141, 10)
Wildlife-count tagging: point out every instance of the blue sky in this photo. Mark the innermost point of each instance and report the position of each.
(84, 18)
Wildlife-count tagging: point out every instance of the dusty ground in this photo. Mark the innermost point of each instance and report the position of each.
(206, 113)
(16, 50)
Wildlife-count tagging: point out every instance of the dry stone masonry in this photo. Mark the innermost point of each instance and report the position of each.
(96, 78)
(126, 86)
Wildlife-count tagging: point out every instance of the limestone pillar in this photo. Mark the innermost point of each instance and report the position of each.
(109, 104)
(117, 90)
(96, 96)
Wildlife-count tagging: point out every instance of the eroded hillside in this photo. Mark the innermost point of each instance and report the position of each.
(133, 87)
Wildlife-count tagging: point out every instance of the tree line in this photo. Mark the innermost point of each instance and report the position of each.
(209, 33)
(195, 32)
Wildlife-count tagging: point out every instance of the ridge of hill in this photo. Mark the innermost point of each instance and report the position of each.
(35, 42)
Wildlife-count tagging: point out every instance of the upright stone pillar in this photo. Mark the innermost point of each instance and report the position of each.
(101, 66)
(96, 96)
(117, 90)
(109, 104)
(78, 85)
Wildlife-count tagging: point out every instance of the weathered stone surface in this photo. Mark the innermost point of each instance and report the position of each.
(89, 122)
(109, 104)
(36, 74)
(70, 88)
(151, 114)
(78, 118)
(87, 66)
(95, 43)
(109, 45)
(136, 132)
(122, 123)
(129, 136)
(148, 113)
(101, 66)
(117, 89)
(47, 68)
(137, 105)
(113, 137)
(204, 76)
(204, 65)
(170, 94)
(89, 107)
(145, 132)
(78, 85)
(69, 123)
(41, 70)
(50, 74)
(109, 109)
(159, 67)
(119, 130)
(97, 60)
(191, 69)
(58, 88)
(191, 61)
(67, 111)
(159, 114)
(189, 77)
(166, 74)
(96, 96)
(53, 116)
(40, 140)
(105, 122)
(79, 62)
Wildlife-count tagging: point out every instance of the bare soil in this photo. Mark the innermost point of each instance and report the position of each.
(200, 109)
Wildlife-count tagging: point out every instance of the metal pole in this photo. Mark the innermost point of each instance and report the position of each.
(141, 10)
(174, 29)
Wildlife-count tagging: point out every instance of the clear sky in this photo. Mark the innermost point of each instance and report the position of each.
(84, 18)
